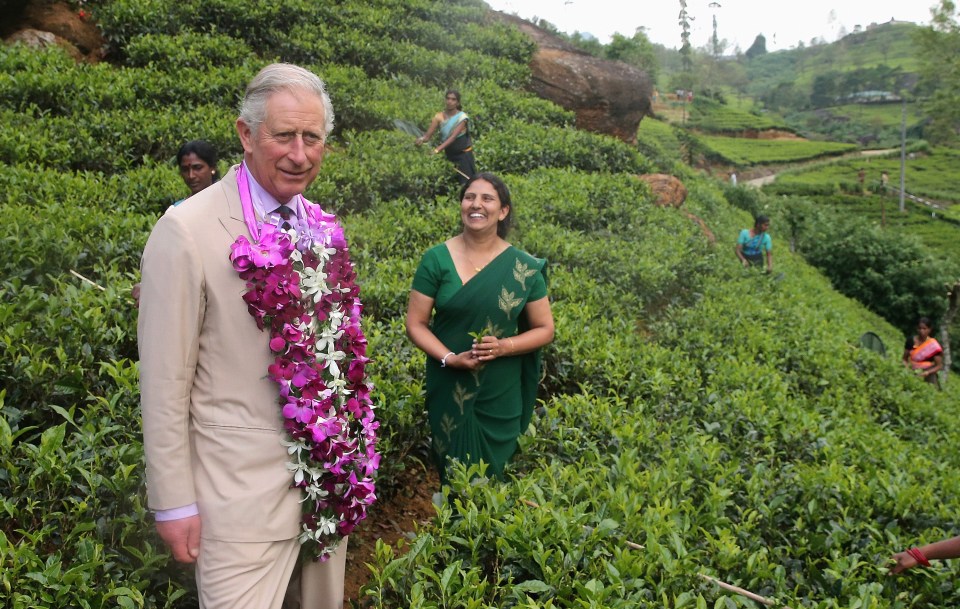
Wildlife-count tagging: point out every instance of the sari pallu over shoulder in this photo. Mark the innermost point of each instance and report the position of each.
(447, 126)
(480, 414)
(921, 356)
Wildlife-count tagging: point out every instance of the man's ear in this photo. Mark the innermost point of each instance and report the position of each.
(246, 135)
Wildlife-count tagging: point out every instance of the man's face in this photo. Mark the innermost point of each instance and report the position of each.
(284, 155)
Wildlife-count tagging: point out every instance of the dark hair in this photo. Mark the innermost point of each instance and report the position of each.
(760, 220)
(456, 94)
(202, 149)
(925, 321)
(503, 226)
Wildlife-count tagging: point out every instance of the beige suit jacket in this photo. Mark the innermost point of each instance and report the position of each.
(211, 422)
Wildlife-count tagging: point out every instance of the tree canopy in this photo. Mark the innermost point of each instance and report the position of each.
(939, 50)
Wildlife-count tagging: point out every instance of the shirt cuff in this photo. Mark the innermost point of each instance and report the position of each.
(176, 513)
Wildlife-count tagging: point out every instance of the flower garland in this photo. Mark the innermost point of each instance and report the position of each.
(301, 286)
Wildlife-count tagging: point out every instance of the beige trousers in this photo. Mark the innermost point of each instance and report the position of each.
(267, 576)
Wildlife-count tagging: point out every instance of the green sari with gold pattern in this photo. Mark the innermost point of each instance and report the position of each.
(479, 414)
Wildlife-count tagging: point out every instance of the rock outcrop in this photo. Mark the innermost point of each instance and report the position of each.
(668, 190)
(39, 23)
(608, 97)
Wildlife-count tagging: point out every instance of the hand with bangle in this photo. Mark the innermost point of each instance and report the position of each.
(489, 348)
(462, 361)
(908, 559)
(938, 550)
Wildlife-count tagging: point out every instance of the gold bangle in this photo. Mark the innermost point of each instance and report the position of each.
(513, 348)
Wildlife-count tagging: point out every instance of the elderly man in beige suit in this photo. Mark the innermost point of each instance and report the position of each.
(217, 473)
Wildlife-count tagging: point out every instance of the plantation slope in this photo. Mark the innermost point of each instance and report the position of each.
(724, 420)
(738, 436)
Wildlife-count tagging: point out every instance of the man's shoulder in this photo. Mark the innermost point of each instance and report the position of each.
(208, 204)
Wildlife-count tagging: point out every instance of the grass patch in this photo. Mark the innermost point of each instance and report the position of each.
(741, 151)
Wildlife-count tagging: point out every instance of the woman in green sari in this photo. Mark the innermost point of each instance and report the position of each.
(479, 310)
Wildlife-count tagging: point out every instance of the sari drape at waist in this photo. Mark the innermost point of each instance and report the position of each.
(480, 414)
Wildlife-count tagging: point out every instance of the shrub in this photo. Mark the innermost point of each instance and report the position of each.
(519, 147)
(186, 50)
(889, 273)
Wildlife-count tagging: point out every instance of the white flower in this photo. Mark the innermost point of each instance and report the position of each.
(298, 470)
(294, 447)
(326, 526)
(313, 283)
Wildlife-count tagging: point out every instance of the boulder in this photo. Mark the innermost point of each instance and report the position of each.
(668, 190)
(608, 97)
(36, 20)
(35, 39)
(711, 238)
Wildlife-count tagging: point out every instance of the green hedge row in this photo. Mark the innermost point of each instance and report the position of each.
(385, 38)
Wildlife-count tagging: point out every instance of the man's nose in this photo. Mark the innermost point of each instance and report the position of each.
(298, 150)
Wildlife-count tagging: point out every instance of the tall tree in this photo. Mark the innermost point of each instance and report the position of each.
(939, 49)
(716, 45)
(686, 51)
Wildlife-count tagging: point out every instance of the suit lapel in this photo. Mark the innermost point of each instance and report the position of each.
(232, 217)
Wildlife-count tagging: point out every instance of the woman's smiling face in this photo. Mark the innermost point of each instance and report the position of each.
(481, 208)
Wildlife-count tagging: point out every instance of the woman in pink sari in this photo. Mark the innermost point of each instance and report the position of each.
(923, 354)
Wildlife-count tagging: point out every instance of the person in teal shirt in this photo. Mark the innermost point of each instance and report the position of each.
(754, 244)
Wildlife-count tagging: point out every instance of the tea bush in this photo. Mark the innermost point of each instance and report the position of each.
(891, 274)
(715, 117)
(519, 147)
(185, 51)
(743, 152)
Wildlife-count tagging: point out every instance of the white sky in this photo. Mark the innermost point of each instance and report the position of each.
(782, 22)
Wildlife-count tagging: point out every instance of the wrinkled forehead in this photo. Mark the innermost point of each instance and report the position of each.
(295, 110)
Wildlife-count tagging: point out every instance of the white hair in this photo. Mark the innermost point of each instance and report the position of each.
(278, 77)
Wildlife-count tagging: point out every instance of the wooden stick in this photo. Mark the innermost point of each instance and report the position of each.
(457, 169)
(730, 587)
(93, 283)
(740, 591)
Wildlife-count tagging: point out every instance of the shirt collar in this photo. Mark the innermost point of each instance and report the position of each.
(266, 205)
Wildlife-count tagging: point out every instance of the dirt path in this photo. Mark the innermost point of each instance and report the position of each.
(769, 178)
